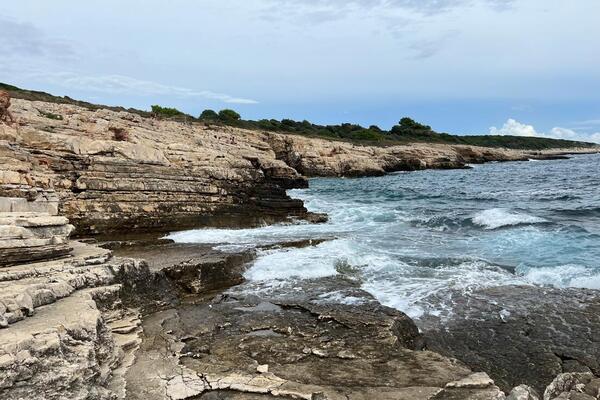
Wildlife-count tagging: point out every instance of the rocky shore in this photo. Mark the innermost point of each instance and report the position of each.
(148, 319)
(114, 172)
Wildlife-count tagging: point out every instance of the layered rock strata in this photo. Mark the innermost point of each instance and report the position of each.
(32, 236)
(164, 175)
(65, 335)
(30, 229)
(118, 172)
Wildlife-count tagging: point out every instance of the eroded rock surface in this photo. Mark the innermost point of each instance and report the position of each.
(521, 334)
(65, 334)
(164, 175)
(294, 344)
(120, 328)
(320, 157)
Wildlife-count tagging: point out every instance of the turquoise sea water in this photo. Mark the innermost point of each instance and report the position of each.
(407, 237)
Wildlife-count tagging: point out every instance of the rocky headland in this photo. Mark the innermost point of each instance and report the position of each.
(113, 317)
(118, 172)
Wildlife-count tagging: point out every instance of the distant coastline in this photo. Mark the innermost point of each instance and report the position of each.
(407, 130)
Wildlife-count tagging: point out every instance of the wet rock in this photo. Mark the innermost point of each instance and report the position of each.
(478, 380)
(307, 348)
(210, 271)
(520, 334)
(569, 386)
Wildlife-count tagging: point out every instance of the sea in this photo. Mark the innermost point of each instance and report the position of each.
(410, 237)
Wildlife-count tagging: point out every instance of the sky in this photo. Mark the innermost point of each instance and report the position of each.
(524, 67)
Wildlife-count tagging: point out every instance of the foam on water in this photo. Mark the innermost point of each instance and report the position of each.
(498, 217)
(411, 239)
(564, 276)
(305, 263)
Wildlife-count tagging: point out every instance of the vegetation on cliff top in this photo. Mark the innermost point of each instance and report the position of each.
(406, 131)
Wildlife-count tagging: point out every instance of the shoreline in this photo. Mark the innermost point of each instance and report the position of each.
(191, 302)
(167, 321)
(170, 175)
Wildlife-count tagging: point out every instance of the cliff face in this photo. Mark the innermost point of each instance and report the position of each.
(110, 171)
(319, 157)
(160, 175)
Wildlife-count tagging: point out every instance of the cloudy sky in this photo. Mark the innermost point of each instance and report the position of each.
(527, 67)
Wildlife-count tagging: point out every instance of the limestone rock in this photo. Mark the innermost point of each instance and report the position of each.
(60, 338)
(30, 236)
(478, 380)
(169, 175)
(570, 386)
(523, 392)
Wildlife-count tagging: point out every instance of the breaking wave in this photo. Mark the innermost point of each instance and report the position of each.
(412, 238)
(498, 218)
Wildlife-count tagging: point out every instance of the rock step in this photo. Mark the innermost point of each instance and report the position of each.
(45, 201)
(82, 254)
(65, 349)
(37, 285)
(27, 236)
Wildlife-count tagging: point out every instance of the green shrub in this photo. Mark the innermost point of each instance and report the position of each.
(408, 128)
(268, 125)
(209, 115)
(165, 112)
(366, 134)
(229, 115)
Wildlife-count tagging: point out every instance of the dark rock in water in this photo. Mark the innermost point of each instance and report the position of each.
(210, 271)
(549, 157)
(193, 268)
(316, 218)
(521, 334)
(296, 243)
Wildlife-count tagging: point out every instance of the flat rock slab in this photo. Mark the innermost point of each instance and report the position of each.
(293, 344)
(520, 334)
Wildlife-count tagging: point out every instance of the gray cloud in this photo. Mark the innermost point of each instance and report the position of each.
(27, 52)
(327, 10)
(24, 39)
(405, 20)
(119, 84)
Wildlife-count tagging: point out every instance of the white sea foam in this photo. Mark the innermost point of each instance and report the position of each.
(340, 297)
(564, 276)
(413, 254)
(419, 290)
(495, 218)
(305, 263)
